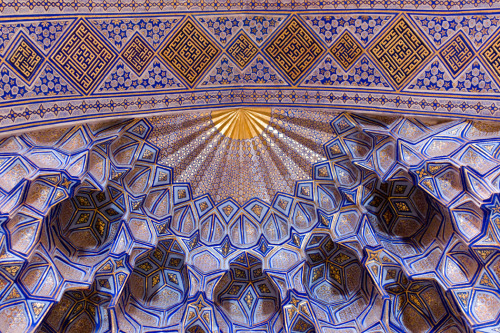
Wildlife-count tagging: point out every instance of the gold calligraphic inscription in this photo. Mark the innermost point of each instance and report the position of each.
(25, 59)
(294, 49)
(346, 50)
(457, 53)
(401, 51)
(190, 52)
(137, 54)
(242, 50)
(83, 57)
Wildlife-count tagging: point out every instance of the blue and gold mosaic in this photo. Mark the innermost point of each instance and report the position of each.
(181, 223)
(79, 66)
(250, 166)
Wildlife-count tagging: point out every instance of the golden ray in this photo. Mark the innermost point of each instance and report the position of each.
(241, 123)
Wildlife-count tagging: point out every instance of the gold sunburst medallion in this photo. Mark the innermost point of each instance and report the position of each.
(241, 123)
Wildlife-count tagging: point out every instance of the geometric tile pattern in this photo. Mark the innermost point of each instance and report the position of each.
(242, 50)
(491, 54)
(400, 51)
(346, 50)
(190, 52)
(98, 233)
(257, 198)
(435, 77)
(145, 63)
(248, 5)
(25, 59)
(364, 27)
(137, 54)
(457, 53)
(294, 49)
(83, 57)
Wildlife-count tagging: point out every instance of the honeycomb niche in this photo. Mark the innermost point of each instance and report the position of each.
(387, 223)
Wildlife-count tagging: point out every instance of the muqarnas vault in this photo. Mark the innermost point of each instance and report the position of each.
(197, 223)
